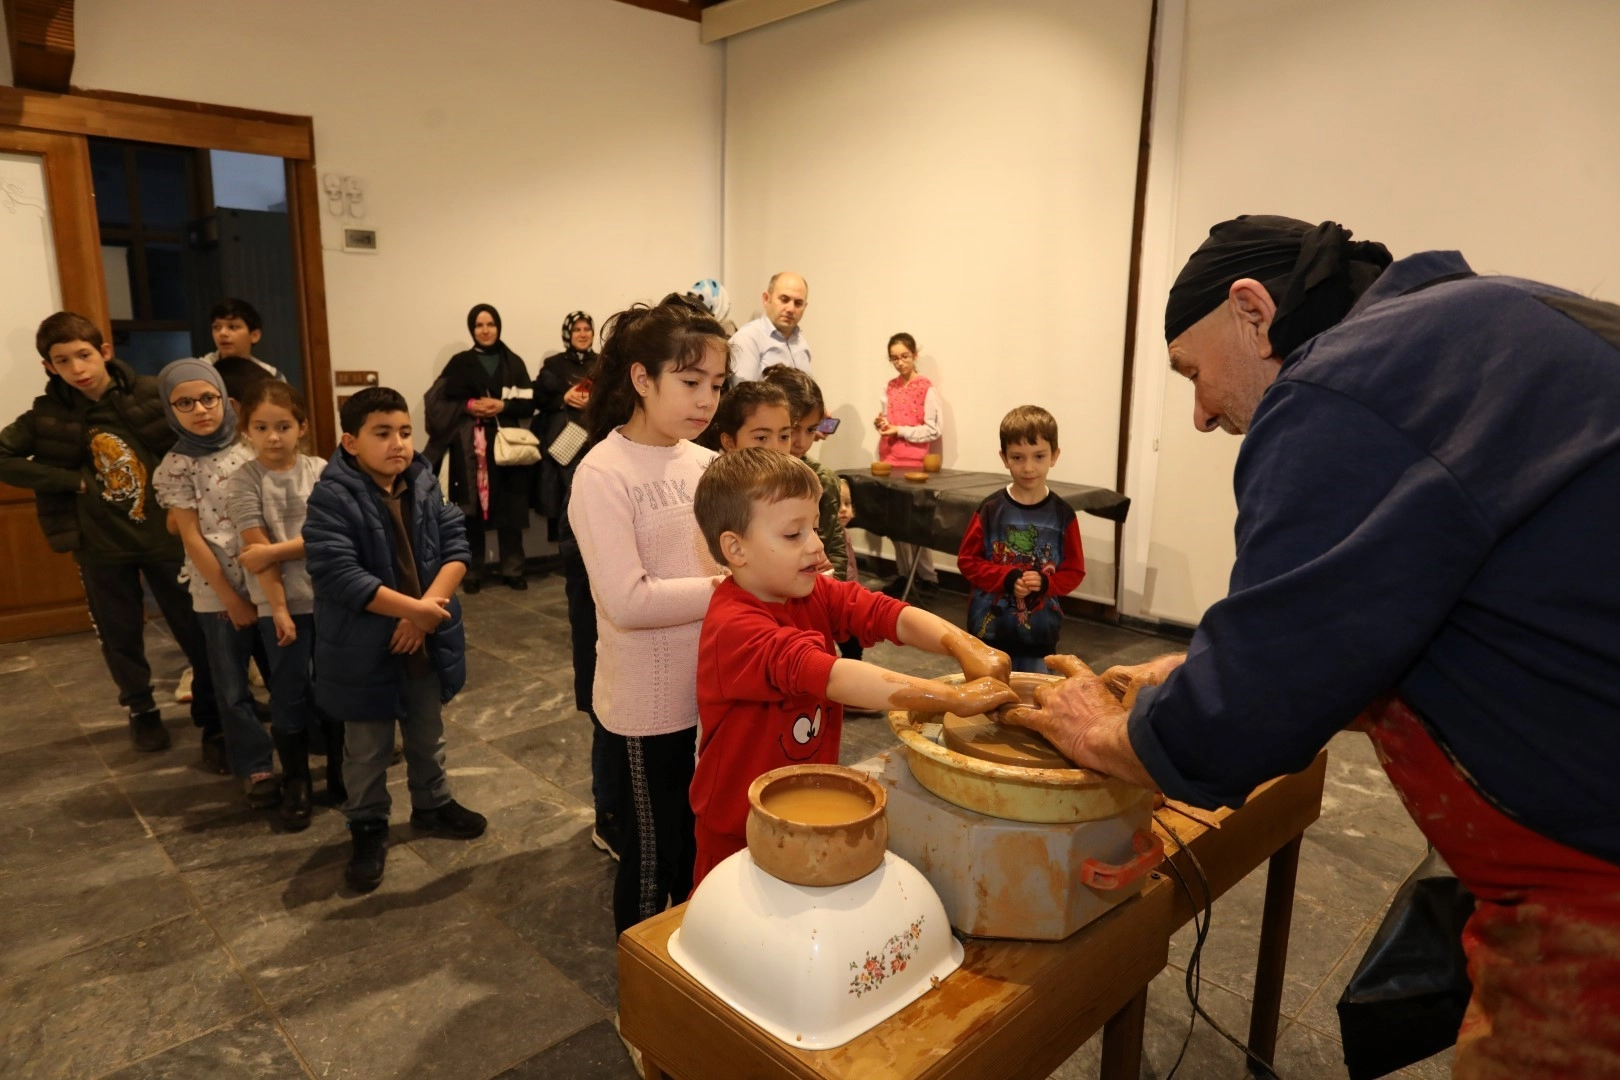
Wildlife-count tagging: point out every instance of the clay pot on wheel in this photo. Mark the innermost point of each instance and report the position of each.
(817, 825)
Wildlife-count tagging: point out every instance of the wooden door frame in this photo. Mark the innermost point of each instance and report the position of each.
(73, 117)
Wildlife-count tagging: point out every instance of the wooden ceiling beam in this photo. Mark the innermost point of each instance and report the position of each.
(679, 8)
(39, 34)
(722, 20)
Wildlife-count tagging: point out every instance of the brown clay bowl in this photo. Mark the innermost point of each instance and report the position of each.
(881, 468)
(917, 477)
(802, 853)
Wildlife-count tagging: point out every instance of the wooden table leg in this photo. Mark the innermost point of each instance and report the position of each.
(1273, 961)
(1122, 1040)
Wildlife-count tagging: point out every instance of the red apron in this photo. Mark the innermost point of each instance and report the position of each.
(905, 409)
(1543, 944)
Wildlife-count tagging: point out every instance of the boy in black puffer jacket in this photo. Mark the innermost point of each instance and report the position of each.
(87, 449)
(385, 554)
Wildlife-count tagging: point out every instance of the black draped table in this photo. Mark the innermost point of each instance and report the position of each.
(936, 514)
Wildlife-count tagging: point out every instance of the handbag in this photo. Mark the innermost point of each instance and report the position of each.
(516, 446)
(567, 445)
(1406, 1000)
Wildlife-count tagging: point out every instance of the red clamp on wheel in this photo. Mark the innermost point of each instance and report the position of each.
(1108, 876)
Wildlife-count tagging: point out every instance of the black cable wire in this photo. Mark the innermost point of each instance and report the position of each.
(1194, 980)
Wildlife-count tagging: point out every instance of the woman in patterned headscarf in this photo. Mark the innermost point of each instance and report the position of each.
(560, 395)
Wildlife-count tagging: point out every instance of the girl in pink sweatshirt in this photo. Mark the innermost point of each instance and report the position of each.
(660, 376)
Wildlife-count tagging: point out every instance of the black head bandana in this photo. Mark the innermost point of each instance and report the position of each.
(568, 327)
(1314, 273)
(472, 319)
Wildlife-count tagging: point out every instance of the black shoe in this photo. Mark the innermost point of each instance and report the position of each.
(451, 819)
(263, 792)
(214, 759)
(895, 588)
(517, 582)
(336, 793)
(293, 749)
(146, 731)
(471, 584)
(605, 836)
(926, 589)
(370, 855)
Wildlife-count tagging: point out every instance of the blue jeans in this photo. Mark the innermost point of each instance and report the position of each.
(1035, 664)
(292, 708)
(246, 744)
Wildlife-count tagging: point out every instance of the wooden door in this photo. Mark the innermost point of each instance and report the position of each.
(50, 259)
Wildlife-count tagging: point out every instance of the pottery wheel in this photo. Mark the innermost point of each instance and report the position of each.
(983, 738)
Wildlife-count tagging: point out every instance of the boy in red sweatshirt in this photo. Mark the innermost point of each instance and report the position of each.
(771, 686)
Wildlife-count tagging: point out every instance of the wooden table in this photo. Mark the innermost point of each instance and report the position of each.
(1015, 1009)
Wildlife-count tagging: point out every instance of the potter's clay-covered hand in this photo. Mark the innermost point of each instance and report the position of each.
(1124, 680)
(978, 660)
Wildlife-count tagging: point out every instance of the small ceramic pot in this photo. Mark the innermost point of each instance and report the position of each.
(881, 468)
(820, 855)
(917, 477)
(932, 462)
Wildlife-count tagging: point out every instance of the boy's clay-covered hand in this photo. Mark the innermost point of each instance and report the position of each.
(978, 660)
(980, 696)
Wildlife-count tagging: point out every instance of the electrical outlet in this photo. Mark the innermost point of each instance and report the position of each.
(360, 241)
(354, 378)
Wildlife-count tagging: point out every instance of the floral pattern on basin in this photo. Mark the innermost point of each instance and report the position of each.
(889, 960)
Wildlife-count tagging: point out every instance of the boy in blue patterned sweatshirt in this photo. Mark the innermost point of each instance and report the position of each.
(1022, 550)
(385, 554)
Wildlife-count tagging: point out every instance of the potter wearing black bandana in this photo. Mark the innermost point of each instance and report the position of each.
(1428, 500)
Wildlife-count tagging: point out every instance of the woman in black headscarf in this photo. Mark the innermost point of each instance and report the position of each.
(481, 390)
(561, 392)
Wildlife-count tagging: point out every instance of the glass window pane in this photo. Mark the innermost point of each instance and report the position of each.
(165, 202)
(248, 181)
(111, 185)
(115, 268)
(166, 281)
(148, 350)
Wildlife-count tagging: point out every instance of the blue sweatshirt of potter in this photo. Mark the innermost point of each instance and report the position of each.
(1429, 503)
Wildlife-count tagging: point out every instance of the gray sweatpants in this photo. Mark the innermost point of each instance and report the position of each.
(368, 746)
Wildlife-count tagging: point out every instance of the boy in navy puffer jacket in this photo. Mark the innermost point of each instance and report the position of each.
(385, 555)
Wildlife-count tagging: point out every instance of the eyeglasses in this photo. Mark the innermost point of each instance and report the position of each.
(186, 404)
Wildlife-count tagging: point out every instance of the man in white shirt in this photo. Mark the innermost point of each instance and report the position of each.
(774, 338)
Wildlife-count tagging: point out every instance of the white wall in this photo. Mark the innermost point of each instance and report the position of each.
(1481, 125)
(540, 157)
(962, 171)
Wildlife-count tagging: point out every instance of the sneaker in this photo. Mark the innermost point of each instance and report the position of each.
(451, 819)
(262, 789)
(146, 731)
(370, 854)
(927, 589)
(605, 836)
(895, 588)
(213, 754)
(182, 693)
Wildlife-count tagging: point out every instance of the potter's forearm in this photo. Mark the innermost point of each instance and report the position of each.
(1106, 747)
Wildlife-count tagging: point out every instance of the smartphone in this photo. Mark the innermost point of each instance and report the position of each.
(828, 425)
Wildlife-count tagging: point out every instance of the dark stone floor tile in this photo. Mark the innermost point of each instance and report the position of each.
(109, 734)
(179, 794)
(44, 724)
(60, 828)
(530, 849)
(64, 648)
(464, 1001)
(312, 930)
(251, 1048)
(559, 752)
(119, 1002)
(1354, 875)
(48, 770)
(483, 669)
(1354, 781)
(482, 778)
(490, 712)
(1304, 1052)
(82, 673)
(593, 1054)
(1435, 1068)
(572, 927)
(51, 911)
(1318, 940)
(238, 853)
(1321, 1011)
